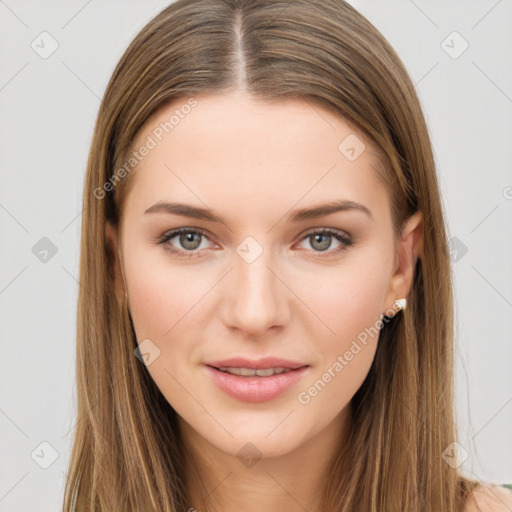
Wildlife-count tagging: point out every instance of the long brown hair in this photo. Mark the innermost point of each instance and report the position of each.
(127, 453)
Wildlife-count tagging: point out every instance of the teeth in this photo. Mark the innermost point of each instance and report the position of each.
(249, 372)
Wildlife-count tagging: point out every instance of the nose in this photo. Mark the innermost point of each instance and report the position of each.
(255, 297)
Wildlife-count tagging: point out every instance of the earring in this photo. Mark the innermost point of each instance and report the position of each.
(401, 304)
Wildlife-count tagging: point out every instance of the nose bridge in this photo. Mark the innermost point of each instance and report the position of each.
(257, 299)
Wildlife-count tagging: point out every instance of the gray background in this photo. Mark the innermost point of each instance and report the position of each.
(48, 107)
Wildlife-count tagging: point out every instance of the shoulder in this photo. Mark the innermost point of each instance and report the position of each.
(492, 498)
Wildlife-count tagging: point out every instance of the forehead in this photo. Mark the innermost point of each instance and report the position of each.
(236, 151)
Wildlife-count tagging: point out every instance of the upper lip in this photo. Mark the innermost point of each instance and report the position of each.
(256, 364)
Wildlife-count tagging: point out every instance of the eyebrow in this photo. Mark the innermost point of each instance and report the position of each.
(314, 212)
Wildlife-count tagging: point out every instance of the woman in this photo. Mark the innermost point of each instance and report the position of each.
(265, 316)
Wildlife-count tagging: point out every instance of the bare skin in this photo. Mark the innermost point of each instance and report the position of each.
(304, 298)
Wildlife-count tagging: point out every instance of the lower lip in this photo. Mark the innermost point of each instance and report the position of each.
(255, 389)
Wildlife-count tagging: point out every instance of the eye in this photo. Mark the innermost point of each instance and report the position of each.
(188, 242)
(321, 241)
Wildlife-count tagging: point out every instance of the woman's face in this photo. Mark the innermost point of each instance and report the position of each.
(273, 279)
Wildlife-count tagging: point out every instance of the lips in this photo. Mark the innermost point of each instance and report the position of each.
(233, 376)
(256, 364)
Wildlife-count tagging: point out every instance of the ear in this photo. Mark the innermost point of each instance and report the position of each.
(111, 235)
(410, 248)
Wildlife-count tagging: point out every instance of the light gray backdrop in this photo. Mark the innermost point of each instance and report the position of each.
(56, 59)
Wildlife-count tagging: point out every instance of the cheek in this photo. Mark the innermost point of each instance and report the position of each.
(161, 298)
(349, 304)
(345, 300)
(164, 305)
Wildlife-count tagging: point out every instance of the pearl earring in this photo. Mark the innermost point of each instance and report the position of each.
(401, 304)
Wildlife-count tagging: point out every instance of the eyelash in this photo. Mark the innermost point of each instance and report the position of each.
(345, 240)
